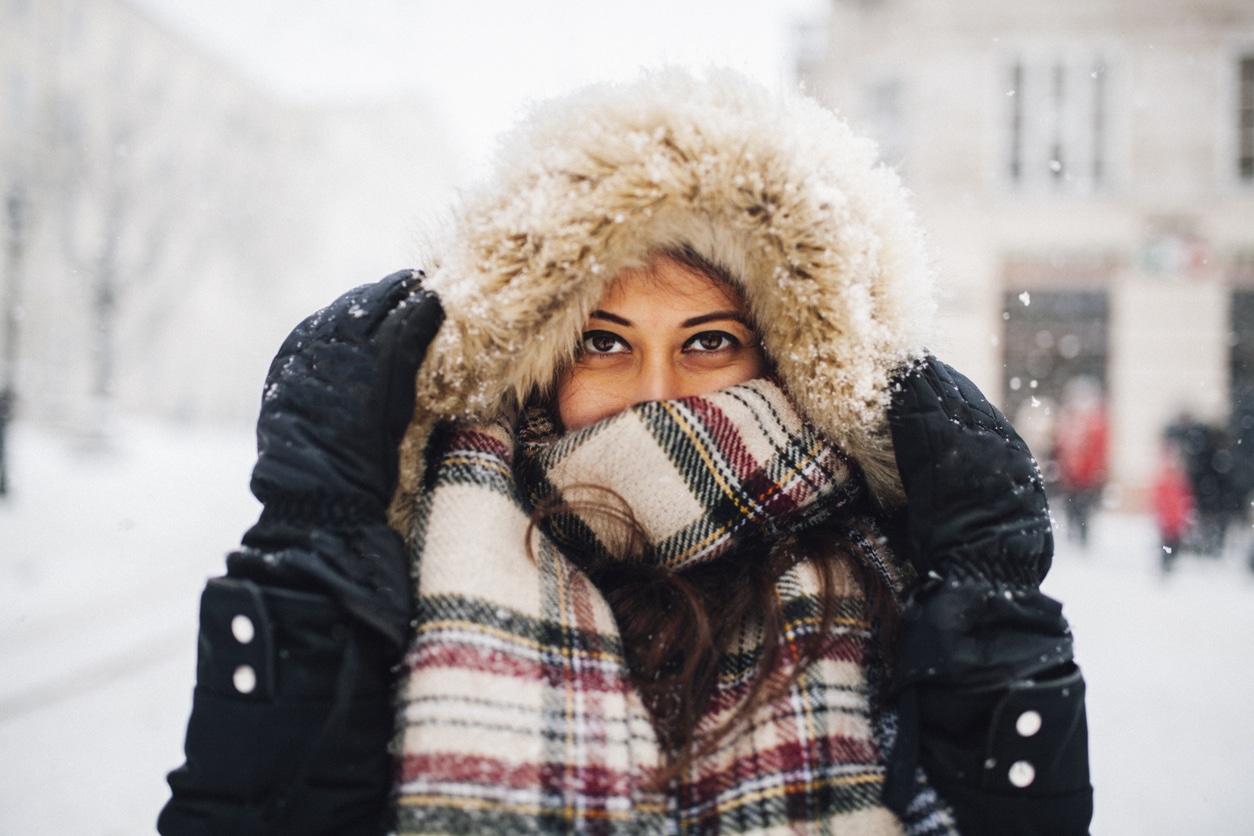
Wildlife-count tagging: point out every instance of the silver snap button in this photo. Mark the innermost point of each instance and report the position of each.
(1021, 774)
(1028, 724)
(245, 679)
(242, 629)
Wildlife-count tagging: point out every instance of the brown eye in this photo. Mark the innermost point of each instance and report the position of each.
(603, 342)
(712, 341)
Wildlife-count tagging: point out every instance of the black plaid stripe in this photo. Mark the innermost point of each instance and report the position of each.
(541, 632)
(439, 816)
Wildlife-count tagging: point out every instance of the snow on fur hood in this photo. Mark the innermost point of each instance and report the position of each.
(773, 187)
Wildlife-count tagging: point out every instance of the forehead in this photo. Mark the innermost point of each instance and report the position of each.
(670, 285)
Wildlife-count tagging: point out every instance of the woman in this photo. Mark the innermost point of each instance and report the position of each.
(701, 540)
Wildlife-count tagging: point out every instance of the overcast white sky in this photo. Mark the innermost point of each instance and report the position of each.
(479, 61)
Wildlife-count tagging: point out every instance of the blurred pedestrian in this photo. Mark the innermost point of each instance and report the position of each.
(1079, 453)
(1214, 479)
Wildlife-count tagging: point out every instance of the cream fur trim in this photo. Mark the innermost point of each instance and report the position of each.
(773, 187)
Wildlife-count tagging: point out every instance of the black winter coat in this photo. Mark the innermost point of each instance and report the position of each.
(304, 737)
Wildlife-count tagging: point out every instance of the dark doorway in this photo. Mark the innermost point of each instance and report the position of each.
(1052, 337)
(1241, 354)
(1241, 381)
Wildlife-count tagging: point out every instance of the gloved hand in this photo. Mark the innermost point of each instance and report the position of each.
(977, 626)
(336, 403)
(978, 526)
(977, 506)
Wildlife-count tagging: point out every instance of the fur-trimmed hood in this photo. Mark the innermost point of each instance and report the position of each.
(774, 188)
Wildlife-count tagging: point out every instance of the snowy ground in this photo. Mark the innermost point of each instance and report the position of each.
(103, 554)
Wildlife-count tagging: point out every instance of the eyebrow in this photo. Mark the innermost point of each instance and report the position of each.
(715, 316)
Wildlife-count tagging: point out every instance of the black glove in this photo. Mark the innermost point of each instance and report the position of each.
(977, 504)
(976, 628)
(336, 403)
(978, 527)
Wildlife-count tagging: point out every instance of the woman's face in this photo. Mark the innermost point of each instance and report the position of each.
(657, 334)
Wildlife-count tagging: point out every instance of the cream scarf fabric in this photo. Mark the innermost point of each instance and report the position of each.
(518, 711)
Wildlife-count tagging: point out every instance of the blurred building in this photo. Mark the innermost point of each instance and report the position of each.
(165, 222)
(1085, 169)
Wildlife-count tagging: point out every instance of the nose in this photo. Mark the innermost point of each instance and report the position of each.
(658, 380)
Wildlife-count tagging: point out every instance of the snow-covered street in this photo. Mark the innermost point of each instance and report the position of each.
(102, 557)
(1169, 663)
(103, 554)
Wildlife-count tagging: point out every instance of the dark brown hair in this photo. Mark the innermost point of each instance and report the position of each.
(676, 625)
(697, 263)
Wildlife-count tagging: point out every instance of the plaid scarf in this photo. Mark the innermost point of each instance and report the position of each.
(694, 475)
(518, 711)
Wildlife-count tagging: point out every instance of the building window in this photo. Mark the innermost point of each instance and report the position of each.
(1245, 119)
(1057, 122)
